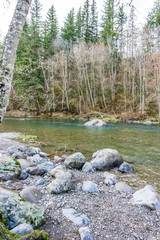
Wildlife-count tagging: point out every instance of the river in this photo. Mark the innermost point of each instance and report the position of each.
(140, 144)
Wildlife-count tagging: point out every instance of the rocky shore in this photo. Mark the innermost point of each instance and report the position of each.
(70, 198)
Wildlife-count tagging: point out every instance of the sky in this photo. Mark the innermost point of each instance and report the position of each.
(63, 7)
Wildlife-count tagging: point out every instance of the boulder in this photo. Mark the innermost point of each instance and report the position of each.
(47, 165)
(87, 167)
(15, 210)
(85, 233)
(35, 160)
(22, 229)
(95, 123)
(106, 159)
(90, 187)
(36, 171)
(18, 155)
(110, 179)
(43, 154)
(9, 168)
(147, 197)
(123, 187)
(148, 123)
(76, 160)
(125, 168)
(76, 218)
(23, 163)
(31, 151)
(62, 182)
(31, 194)
(12, 150)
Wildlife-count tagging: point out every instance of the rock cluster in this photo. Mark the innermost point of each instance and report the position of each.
(43, 179)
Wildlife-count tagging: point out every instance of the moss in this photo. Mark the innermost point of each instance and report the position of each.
(28, 137)
(37, 235)
(5, 234)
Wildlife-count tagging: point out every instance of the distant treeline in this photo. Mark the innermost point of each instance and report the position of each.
(105, 64)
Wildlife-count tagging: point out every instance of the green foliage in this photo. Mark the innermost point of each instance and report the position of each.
(86, 16)
(153, 18)
(28, 137)
(94, 23)
(50, 32)
(79, 25)
(68, 32)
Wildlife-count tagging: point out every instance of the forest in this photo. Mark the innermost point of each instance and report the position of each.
(105, 64)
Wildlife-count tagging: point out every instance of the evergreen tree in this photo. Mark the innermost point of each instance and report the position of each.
(121, 21)
(86, 16)
(68, 32)
(79, 25)
(94, 23)
(153, 19)
(36, 22)
(109, 33)
(50, 31)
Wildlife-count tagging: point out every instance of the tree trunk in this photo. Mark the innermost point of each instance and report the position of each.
(9, 52)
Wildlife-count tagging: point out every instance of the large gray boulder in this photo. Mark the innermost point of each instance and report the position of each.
(87, 167)
(106, 159)
(31, 194)
(62, 182)
(22, 229)
(76, 218)
(35, 160)
(95, 123)
(9, 168)
(76, 160)
(15, 210)
(147, 197)
(90, 187)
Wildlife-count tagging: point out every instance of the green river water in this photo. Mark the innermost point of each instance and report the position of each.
(140, 144)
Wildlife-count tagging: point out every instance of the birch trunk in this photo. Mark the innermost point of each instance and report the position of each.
(9, 53)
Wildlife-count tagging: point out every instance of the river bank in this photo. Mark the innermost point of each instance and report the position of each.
(116, 118)
(111, 215)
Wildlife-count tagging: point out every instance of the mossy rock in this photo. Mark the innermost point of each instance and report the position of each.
(5, 234)
(14, 210)
(9, 168)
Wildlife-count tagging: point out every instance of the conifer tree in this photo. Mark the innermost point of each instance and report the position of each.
(94, 23)
(68, 32)
(79, 25)
(50, 31)
(108, 22)
(86, 16)
(153, 19)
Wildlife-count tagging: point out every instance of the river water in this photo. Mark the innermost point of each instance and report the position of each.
(140, 144)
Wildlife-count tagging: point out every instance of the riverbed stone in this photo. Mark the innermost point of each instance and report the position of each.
(87, 167)
(18, 155)
(43, 154)
(125, 168)
(31, 151)
(85, 233)
(40, 182)
(90, 187)
(11, 150)
(76, 160)
(95, 123)
(36, 171)
(15, 210)
(9, 168)
(35, 160)
(22, 229)
(106, 159)
(123, 187)
(23, 175)
(62, 182)
(47, 165)
(31, 194)
(76, 218)
(147, 197)
(148, 123)
(23, 163)
(110, 178)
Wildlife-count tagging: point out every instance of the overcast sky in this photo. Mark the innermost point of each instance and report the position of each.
(63, 7)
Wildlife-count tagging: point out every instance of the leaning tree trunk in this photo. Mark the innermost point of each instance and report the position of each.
(9, 52)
